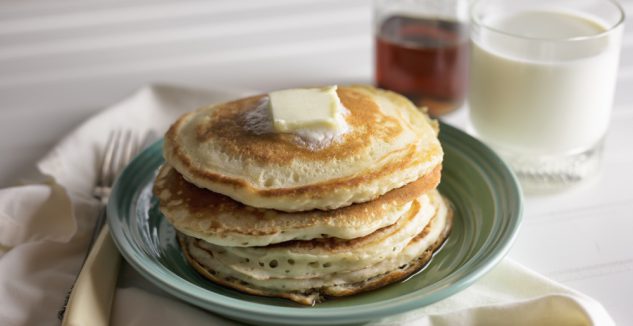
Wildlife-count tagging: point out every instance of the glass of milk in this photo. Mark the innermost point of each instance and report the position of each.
(543, 75)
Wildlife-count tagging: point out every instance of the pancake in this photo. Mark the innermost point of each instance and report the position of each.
(308, 259)
(308, 291)
(220, 220)
(228, 149)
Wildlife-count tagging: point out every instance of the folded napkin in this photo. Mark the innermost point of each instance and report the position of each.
(45, 227)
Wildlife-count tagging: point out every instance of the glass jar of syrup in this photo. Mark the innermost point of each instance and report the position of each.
(422, 51)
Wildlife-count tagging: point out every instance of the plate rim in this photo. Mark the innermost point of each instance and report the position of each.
(235, 307)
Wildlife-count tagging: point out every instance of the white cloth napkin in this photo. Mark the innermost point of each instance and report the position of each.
(44, 229)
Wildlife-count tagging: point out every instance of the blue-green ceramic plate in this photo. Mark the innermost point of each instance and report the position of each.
(487, 202)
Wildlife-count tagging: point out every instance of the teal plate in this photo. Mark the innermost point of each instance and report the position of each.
(487, 201)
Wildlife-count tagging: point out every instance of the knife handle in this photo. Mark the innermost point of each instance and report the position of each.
(90, 301)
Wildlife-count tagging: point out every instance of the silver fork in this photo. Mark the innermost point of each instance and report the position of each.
(91, 290)
(120, 149)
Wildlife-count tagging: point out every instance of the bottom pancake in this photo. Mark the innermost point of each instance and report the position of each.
(416, 255)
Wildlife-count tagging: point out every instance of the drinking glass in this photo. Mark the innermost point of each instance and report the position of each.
(543, 75)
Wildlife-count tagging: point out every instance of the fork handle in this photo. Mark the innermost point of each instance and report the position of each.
(91, 298)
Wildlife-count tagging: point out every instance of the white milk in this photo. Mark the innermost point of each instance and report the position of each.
(540, 96)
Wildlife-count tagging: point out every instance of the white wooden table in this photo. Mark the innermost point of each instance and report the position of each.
(61, 61)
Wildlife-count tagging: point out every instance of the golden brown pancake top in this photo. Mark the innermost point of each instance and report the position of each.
(227, 129)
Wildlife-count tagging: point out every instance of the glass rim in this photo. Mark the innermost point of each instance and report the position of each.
(607, 31)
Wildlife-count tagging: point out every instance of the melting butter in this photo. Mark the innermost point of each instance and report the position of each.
(307, 111)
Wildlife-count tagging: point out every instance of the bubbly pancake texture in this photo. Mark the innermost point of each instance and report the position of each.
(222, 221)
(327, 281)
(389, 143)
(309, 259)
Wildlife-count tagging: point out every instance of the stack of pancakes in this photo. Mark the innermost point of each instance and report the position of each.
(270, 214)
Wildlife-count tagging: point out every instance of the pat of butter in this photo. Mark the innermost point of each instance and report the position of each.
(297, 110)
